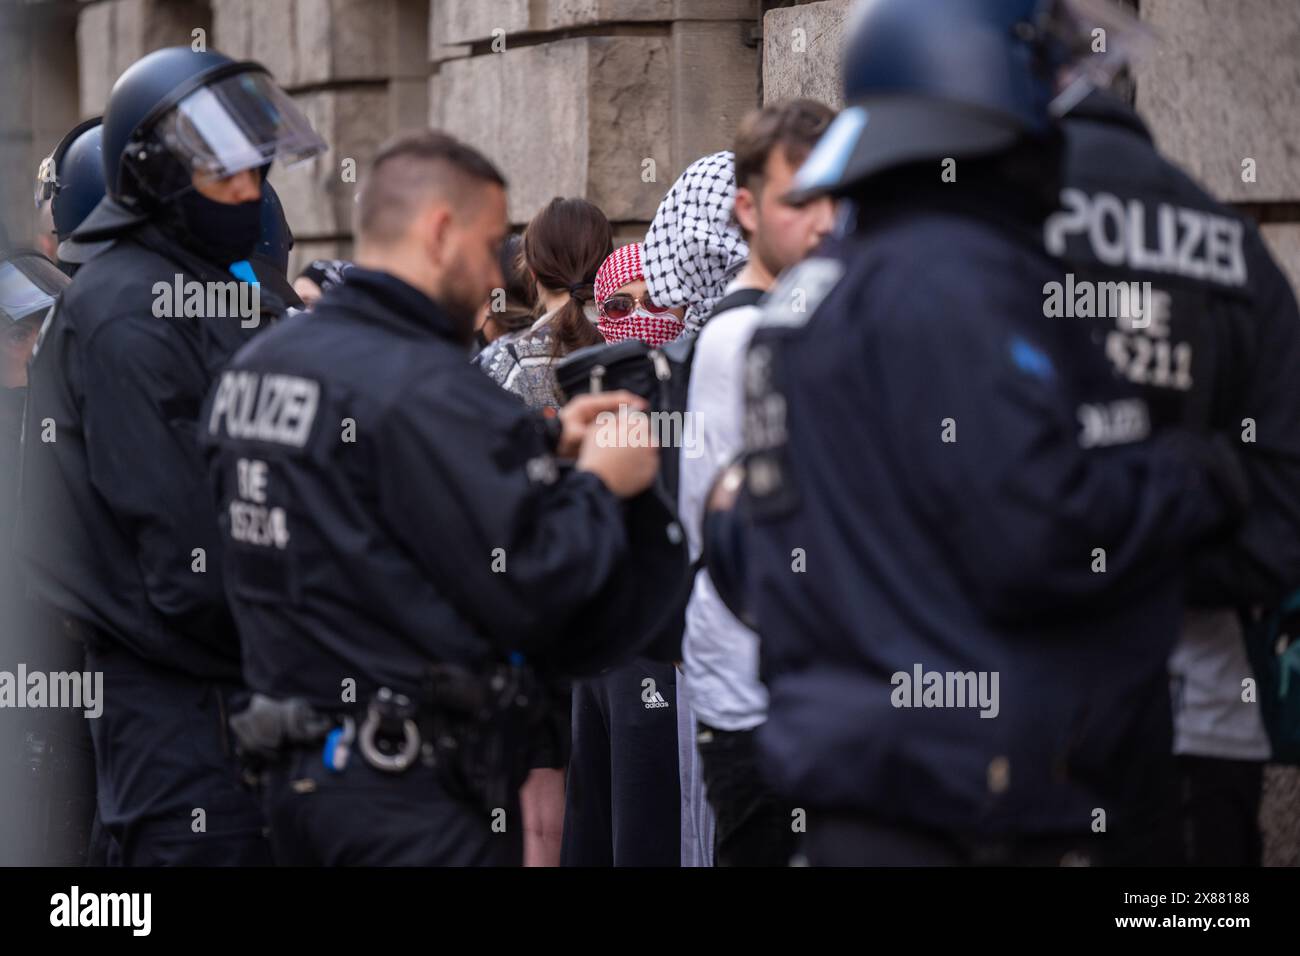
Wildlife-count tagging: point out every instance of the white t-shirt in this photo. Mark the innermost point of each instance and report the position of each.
(1208, 667)
(720, 653)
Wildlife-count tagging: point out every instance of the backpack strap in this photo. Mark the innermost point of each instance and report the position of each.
(681, 351)
(737, 300)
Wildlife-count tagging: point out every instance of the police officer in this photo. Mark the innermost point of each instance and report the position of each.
(70, 184)
(952, 530)
(1214, 334)
(29, 286)
(70, 181)
(119, 533)
(408, 554)
(45, 756)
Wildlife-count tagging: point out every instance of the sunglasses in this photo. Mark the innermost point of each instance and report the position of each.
(620, 306)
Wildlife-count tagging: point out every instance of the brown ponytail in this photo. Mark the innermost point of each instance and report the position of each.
(565, 245)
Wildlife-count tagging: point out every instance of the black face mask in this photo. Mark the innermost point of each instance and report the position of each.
(219, 232)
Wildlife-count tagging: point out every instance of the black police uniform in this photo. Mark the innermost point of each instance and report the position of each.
(133, 561)
(1215, 351)
(386, 508)
(918, 440)
(1221, 343)
(46, 760)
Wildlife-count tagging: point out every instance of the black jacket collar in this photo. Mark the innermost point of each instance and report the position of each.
(108, 220)
(386, 300)
(276, 294)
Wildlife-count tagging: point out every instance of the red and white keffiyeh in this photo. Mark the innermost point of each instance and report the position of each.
(622, 267)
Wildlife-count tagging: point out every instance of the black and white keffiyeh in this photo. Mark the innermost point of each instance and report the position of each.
(694, 247)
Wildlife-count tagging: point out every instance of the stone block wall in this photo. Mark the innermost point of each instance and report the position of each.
(39, 76)
(358, 70)
(606, 99)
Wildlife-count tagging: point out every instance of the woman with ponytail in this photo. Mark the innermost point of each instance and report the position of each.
(564, 246)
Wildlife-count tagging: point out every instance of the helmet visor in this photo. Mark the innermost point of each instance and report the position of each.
(240, 122)
(1096, 40)
(29, 284)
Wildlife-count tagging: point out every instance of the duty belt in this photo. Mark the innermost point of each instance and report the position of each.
(474, 727)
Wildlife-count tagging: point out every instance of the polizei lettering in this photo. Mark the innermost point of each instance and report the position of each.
(271, 408)
(1176, 240)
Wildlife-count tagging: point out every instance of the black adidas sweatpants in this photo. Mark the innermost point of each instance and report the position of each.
(623, 799)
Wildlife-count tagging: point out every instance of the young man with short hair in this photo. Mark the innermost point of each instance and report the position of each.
(721, 654)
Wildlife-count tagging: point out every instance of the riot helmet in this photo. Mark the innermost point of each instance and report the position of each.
(179, 113)
(931, 79)
(71, 178)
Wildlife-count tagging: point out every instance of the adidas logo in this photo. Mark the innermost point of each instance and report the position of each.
(653, 699)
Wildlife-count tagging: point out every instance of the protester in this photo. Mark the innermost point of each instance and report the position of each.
(694, 246)
(720, 678)
(564, 246)
(631, 736)
(626, 309)
(561, 250)
(509, 313)
(509, 309)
